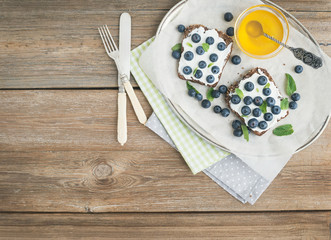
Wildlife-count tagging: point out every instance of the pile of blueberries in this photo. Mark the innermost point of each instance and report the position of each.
(200, 51)
(258, 101)
(206, 103)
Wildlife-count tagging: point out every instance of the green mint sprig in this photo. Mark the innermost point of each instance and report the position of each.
(209, 94)
(290, 85)
(177, 47)
(283, 130)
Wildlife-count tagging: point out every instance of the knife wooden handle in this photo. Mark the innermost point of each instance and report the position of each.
(121, 119)
(135, 103)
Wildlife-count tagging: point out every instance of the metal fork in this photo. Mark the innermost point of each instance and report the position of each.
(113, 53)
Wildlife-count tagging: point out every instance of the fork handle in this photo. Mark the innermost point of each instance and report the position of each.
(135, 103)
(121, 118)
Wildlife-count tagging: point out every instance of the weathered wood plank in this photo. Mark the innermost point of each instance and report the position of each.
(59, 153)
(288, 225)
(55, 44)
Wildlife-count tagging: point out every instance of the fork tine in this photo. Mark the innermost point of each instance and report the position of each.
(105, 44)
(104, 40)
(107, 38)
(111, 37)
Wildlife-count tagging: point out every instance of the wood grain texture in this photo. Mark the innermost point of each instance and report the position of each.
(55, 44)
(59, 153)
(286, 225)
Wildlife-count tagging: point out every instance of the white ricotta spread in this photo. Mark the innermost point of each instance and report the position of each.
(274, 93)
(189, 45)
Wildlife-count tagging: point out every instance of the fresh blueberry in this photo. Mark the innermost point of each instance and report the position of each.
(176, 54)
(198, 74)
(221, 46)
(236, 124)
(205, 103)
(198, 96)
(263, 125)
(238, 132)
(252, 123)
(266, 91)
(210, 78)
(257, 112)
(258, 101)
(248, 100)
(230, 31)
(268, 116)
(196, 38)
(236, 60)
(187, 70)
(213, 57)
(210, 40)
(276, 110)
(215, 94)
(295, 97)
(235, 99)
(293, 105)
(228, 17)
(181, 28)
(215, 69)
(245, 110)
(200, 50)
(188, 55)
(225, 112)
(191, 93)
(202, 64)
(249, 86)
(262, 80)
(222, 89)
(217, 109)
(270, 101)
(298, 69)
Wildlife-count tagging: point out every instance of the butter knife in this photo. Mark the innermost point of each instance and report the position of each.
(124, 55)
(125, 27)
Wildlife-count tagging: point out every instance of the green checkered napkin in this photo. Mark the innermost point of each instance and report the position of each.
(197, 153)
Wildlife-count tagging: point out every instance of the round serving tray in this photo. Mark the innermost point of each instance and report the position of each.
(173, 12)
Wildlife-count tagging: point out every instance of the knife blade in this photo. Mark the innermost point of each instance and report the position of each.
(124, 47)
(124, 55)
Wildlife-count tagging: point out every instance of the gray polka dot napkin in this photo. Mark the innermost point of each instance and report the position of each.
(231, 173)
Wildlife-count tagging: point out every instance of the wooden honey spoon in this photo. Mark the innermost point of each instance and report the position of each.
(255, 29)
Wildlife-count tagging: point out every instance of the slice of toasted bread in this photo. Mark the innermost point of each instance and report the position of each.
(252, 76)
(189, 45)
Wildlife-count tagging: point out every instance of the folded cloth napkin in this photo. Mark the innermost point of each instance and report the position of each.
(228, 171)
(231, 173)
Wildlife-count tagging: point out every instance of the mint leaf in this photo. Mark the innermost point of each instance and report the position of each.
(267, 85)
(245, 131)
(209, 94)
(239, 93)
(283, 130)
(243, 116)
(195, 70)
(177, 47)
(210, 64)
(205, 47)
(189, 87)
(284, 104)
(189, 44)
(263, 107)
(290, 85)
(257, 89)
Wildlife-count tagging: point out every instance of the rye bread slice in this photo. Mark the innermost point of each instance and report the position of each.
(228, 40)
(232, 88)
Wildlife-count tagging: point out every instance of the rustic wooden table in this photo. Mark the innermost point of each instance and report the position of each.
(60, 161)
